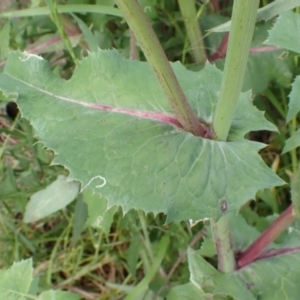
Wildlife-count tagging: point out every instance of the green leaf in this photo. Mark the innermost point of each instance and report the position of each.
(294, 103)
(292, 142)
(294, 108)
(143, 285)
(242, 124)
(132, 254)
(273, 276)
(285, 32)
(283, 282)
(99, 216)
(75, 8)
(295, 191)
(266, 67)
(111, 127)
(201, 271)
(186, 291)
(51, 199)
(58, 295)
(265, 13)
(87, 33)
(15, 282)
(203, 274)
(79, 220)
(263, 66)
(269, 197)
(34, 286)
(270, 278)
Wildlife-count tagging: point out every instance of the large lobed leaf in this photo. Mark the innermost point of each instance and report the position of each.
(111, 127)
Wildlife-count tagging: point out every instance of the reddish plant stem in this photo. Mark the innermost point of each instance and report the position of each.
(268, 236)
(215, 5)
(134, 54)
(264, 49)
(275, 252)
(222, 49)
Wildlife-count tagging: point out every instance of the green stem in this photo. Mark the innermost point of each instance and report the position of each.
(273, 99)
(72, 8)
(240, 37)
(222, 238)
(145, 233)
(292, 129)
(7, 138)
(189, 14)
(143, 285)
(141, 27)
(134, 53)
(57, 21)
(295, 192)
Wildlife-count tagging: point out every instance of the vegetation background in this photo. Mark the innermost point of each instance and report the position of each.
(104, 263)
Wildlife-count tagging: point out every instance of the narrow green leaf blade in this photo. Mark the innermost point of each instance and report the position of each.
(79, 219)
(87, 33)
(142, 287)
(58, 295)
(73, 8)
(132, 253)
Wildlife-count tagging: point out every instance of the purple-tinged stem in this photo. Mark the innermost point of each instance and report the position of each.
(275, 252)
(222, 49)
(264, 49)
(268, 236)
